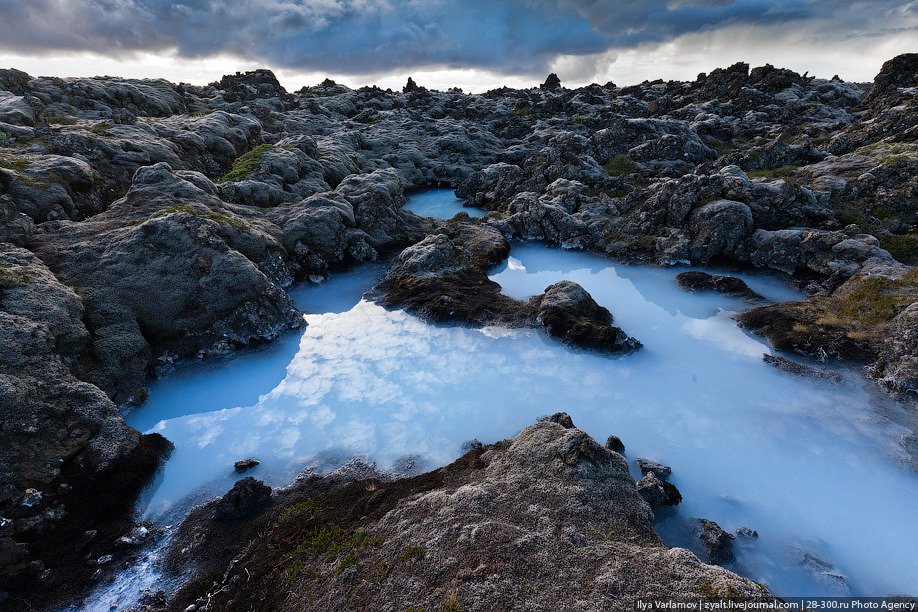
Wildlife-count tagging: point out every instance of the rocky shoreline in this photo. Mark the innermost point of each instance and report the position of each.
(547, 520)
(145, 222)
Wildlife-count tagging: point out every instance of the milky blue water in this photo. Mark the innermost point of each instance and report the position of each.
(440, 204)
(815, 467)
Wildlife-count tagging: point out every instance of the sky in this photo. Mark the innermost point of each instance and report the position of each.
(472, 44)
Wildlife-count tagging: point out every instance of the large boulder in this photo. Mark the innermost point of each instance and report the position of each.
(718, 228)
(163, 274)
(568, 312)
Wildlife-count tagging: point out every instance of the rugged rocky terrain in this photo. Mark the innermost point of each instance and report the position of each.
(145, 222)
(548, 520)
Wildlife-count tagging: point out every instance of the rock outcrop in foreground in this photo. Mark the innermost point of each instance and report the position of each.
(549, 520)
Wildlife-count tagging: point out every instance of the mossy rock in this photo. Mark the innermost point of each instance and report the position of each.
(245, 164)
(620, 165)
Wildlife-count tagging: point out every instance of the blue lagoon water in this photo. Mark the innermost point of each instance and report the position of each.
(440, 204)
(817, 468)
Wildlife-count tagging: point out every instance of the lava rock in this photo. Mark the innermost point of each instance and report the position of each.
(746, 532)
(652, 467)
(728, 285)
(718, 229)
(718, 542)
(532, 499)
(567, 312)
(614, 443)
(800, 369)
(561, 418)
(899, 73)
(245, 464)
(247, 497)
(657, 492)
(551, 83)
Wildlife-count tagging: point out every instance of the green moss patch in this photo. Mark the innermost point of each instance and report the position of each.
(222, 218)
(620, 165)
(412, 551)
(904, 247)
(331, 544)
(870, 302)
(14, 163)
(245, 164)
(11, 276)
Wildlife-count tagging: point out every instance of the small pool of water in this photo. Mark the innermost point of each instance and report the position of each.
(815, 467)
(440, 204)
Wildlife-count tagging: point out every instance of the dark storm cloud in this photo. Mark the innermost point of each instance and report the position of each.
(364, 36)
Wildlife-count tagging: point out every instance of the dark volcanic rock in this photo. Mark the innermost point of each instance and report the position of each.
(718, 228)
(551, 83)
(718, 542)
(437, 280)
(569, 313)
(252, 85)
(897, 367)
(746, 532)
(658, 492)
(728, 285)
(652, 467)
(245, 464)
(247, 497)
(614, 443)
(897, 74)
(797, 327)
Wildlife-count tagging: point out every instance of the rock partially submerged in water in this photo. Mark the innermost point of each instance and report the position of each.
(245, 464)
(544, 520)
(870, 319)
(652, 467)
(657, 492)
(897, 366)
(718, 542)
(728, 285)
(800, 369)
(438, 279)
(614, 443)
(826, 573)
(568, 312)
(444, 278)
